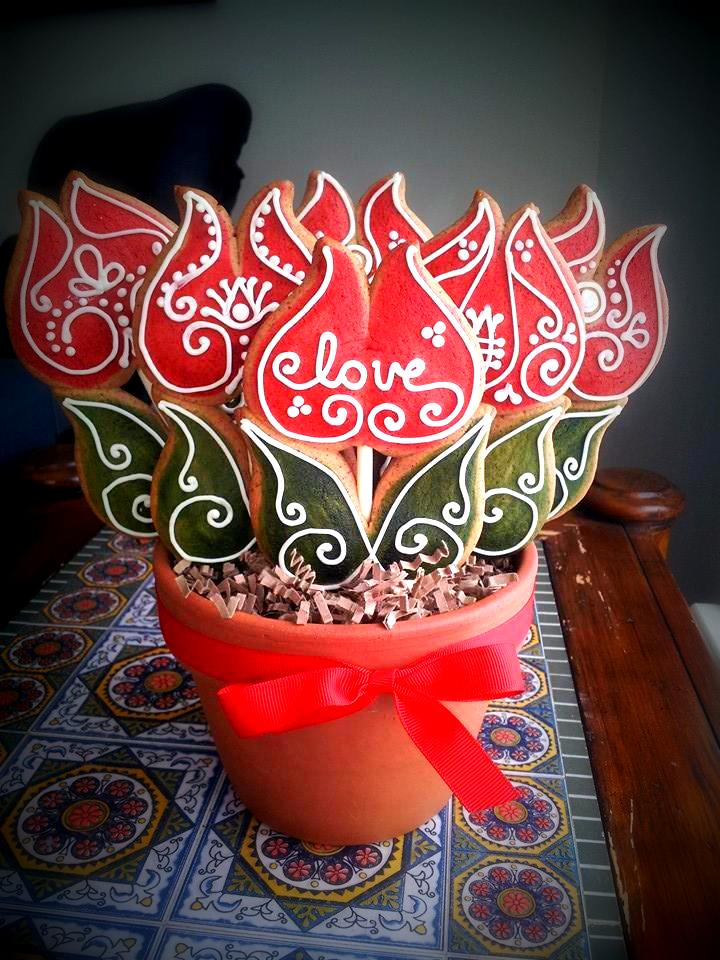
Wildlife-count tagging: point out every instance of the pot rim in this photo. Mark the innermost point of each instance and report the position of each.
(241, 627)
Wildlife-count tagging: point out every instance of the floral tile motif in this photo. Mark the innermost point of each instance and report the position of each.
(90, 827)
(141, 613)
(122, 543)
(248, 874)
(519, 741)
(511, 907)
(89, 605)
(536, 687)
(22, 698)
(51, 650)
(38, 662)
(535, 698)
(531, 824)
(189, 945)
(116, 570)
(532, 644)
(131, 686)
(49, 935)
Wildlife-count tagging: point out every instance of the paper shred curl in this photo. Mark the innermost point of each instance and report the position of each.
(403, 591)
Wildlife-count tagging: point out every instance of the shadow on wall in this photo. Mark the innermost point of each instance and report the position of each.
(194, 136)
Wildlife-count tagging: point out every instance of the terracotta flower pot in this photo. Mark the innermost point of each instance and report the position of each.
(359, 778)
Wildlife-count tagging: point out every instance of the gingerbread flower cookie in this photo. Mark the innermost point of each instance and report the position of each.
(337, 386)
(208, 294)
(521, 298)
(625, 340)
(74, 280)
(393, 365)
(625, 312)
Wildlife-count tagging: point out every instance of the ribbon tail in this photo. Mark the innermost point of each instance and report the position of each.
(454, 752)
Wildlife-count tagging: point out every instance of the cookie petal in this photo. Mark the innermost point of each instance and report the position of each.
(200, 503)
(576, 442)
(519, 479)
(118, 441)
(300, 503)
(423, 502)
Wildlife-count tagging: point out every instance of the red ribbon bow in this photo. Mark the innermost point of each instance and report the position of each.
(273, 692)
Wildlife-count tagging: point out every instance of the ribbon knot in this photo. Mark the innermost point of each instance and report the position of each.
(269, 692)
(380, 681)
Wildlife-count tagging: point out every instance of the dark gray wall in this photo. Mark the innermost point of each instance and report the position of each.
(524, 99)
(658, 162)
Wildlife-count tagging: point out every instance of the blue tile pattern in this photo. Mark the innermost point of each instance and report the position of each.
(121, 838)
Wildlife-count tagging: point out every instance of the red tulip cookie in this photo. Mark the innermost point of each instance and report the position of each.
(73, 281)
(626, 338)
(207, 296)
(521, 299)
(393, 366)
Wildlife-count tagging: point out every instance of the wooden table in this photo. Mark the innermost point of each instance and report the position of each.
(648, 691)
(650, 701)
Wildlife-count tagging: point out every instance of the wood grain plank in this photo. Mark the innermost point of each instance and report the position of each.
(652, 748)
(696, 656)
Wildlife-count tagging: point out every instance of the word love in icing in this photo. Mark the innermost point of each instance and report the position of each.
(625, 341)
(385, 222)
(520, 298)
(203, 304)
(74, 279)
(393, 366)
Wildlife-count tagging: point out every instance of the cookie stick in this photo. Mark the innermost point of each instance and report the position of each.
(364, 478)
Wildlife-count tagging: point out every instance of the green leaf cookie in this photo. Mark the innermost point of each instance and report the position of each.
(200, 504)
(299, 503)
(576, 440)
(519, 479)
(438, 499)
(118, 441)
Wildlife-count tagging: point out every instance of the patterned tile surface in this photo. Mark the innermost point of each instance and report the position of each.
(121, 838)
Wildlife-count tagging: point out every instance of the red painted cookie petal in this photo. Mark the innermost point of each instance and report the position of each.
(197, 316)
(327, 210)
(459, 256)
(625, 344)
(530, 320)
(73, 283)
(428, 373)
(103, 214)
(578, 232)
(273, 245)
(304, 374)
(385, 221)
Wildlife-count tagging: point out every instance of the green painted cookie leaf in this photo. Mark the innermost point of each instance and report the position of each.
(305, 507)
(438, 503)
(576, 440)
(118, 441)
(199, 498)
(519, 484)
